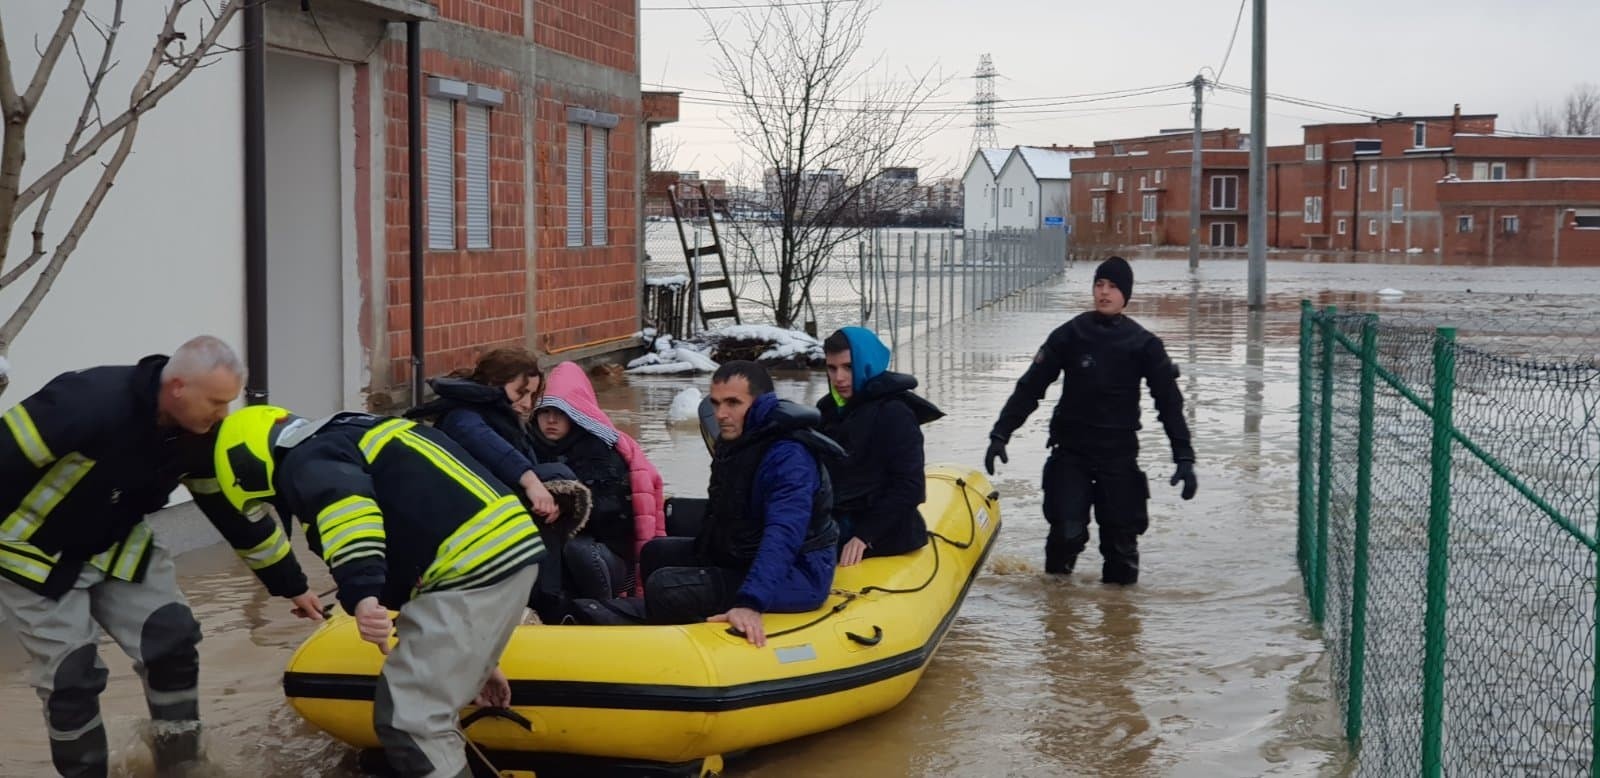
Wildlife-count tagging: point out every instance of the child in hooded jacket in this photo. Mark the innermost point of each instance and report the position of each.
(628, 505)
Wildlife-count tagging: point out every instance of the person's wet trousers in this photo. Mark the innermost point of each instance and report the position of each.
(1103, 475)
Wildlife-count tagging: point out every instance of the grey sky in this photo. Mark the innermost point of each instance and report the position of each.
(1411, 56)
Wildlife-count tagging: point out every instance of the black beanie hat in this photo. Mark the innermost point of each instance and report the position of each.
(1117, 271)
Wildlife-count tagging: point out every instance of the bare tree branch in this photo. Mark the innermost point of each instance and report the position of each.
(148, 90)
(820, 127)
(91, 103)
(183, 65)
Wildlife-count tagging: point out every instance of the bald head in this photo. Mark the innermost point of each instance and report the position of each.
(199, 383)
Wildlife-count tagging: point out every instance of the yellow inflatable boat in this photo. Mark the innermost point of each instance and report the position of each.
(685, 696)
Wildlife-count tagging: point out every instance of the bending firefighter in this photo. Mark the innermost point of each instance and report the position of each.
(1101, 356)
(406, 520)
(82, 462)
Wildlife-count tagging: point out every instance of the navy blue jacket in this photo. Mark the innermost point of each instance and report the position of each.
(783, 579)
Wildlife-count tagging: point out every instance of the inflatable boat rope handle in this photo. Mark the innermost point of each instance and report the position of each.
(497, 713)
(877, 636)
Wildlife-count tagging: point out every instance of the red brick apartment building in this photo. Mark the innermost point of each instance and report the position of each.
(1436, 185)
(532, 129)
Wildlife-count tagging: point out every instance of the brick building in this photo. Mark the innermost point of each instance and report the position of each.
(1135, 191)
(1443, 185)
(531, 152)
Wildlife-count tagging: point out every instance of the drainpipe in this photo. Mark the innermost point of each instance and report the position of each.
(255, 204)
(414, 173)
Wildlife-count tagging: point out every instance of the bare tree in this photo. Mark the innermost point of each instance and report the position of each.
(1577, 114)
(664, 148)
(817, 129)
(173, 57)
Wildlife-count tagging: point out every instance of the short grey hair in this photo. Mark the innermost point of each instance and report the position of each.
(201, 355)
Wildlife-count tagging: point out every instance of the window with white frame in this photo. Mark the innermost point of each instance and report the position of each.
(1149, 213)
(1509, 224)
(1119, 226)
(1397, 205)
(1372, 178)
(1144, 183)
(440, 150)
(575, 198)
(1224, 193)
(1419, 134)
(1119, 184)
(1372, 226)
(1313, 152)
(1343, 226)
(1464, 223)
(1105, 178)
(1480, 171)
(1161, 176)
(1097, 210)
(1030, 207)
(1313, 210)
(1588, 219)
(1497, 171)
(1344, 176)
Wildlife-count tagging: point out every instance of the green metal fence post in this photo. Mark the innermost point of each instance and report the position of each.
(1358, 583)
(1444, 381)
(1594, 692)
(1307, 322)
(1319, 601)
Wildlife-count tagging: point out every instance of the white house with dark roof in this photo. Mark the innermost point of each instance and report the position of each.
(1034, 187)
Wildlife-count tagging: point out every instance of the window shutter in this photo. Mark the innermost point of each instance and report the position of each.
(441, 153)
(477, 177)
(597, 186)
(574, 184)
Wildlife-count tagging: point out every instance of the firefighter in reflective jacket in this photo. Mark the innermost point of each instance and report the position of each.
(82, 462)
(406, 520)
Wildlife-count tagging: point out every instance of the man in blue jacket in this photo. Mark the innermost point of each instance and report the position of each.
(872, 412)
(768, 541)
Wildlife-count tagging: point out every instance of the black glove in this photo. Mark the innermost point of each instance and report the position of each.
(997, 448)
(1186, 475)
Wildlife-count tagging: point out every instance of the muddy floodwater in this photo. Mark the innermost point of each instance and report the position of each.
(1209, 667)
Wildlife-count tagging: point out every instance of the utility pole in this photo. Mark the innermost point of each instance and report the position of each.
(1256, 295)
(1194, 177)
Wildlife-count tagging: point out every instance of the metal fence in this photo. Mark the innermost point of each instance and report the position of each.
(1449, 501)
(899, 282)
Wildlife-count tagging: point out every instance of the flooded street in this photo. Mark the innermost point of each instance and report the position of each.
(1209, 667)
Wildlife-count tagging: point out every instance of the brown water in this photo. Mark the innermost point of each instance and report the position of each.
(1209, 667)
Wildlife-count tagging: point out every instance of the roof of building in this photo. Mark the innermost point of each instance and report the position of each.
(1049, 164)
(995, 158)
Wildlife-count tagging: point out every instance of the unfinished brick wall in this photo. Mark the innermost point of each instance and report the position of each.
(476, 299)
(600, 31)
(586, 294)
(502, 16)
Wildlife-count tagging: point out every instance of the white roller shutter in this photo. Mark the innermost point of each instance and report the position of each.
(574, 184)
(477, 177)
(597, 186)
(441, 153)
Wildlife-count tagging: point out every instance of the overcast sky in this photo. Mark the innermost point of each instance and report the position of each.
(1410, 56)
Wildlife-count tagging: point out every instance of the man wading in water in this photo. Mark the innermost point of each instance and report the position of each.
(1094, 442)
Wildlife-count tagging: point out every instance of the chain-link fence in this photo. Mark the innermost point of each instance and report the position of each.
(1449, 503)
(900, 282)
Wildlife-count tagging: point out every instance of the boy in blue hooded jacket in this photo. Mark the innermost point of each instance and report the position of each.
(873, 413)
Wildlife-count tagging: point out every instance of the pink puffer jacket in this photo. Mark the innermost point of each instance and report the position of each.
(568, 388)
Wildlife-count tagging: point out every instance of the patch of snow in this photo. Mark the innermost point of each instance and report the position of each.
(664, 368)
(685, 407)
(1414, 250)
(648, 359)
(700, 361)
(677, 280)
(777, 335)
(1390, 291)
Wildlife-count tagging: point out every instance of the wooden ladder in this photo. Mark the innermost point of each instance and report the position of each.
(698, 285)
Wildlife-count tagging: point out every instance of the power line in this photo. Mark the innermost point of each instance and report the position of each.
(740, 7)
(913, 108)
(1021, 102)
(1237, 19)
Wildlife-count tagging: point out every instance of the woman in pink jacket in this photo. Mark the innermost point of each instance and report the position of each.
(629, 503)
